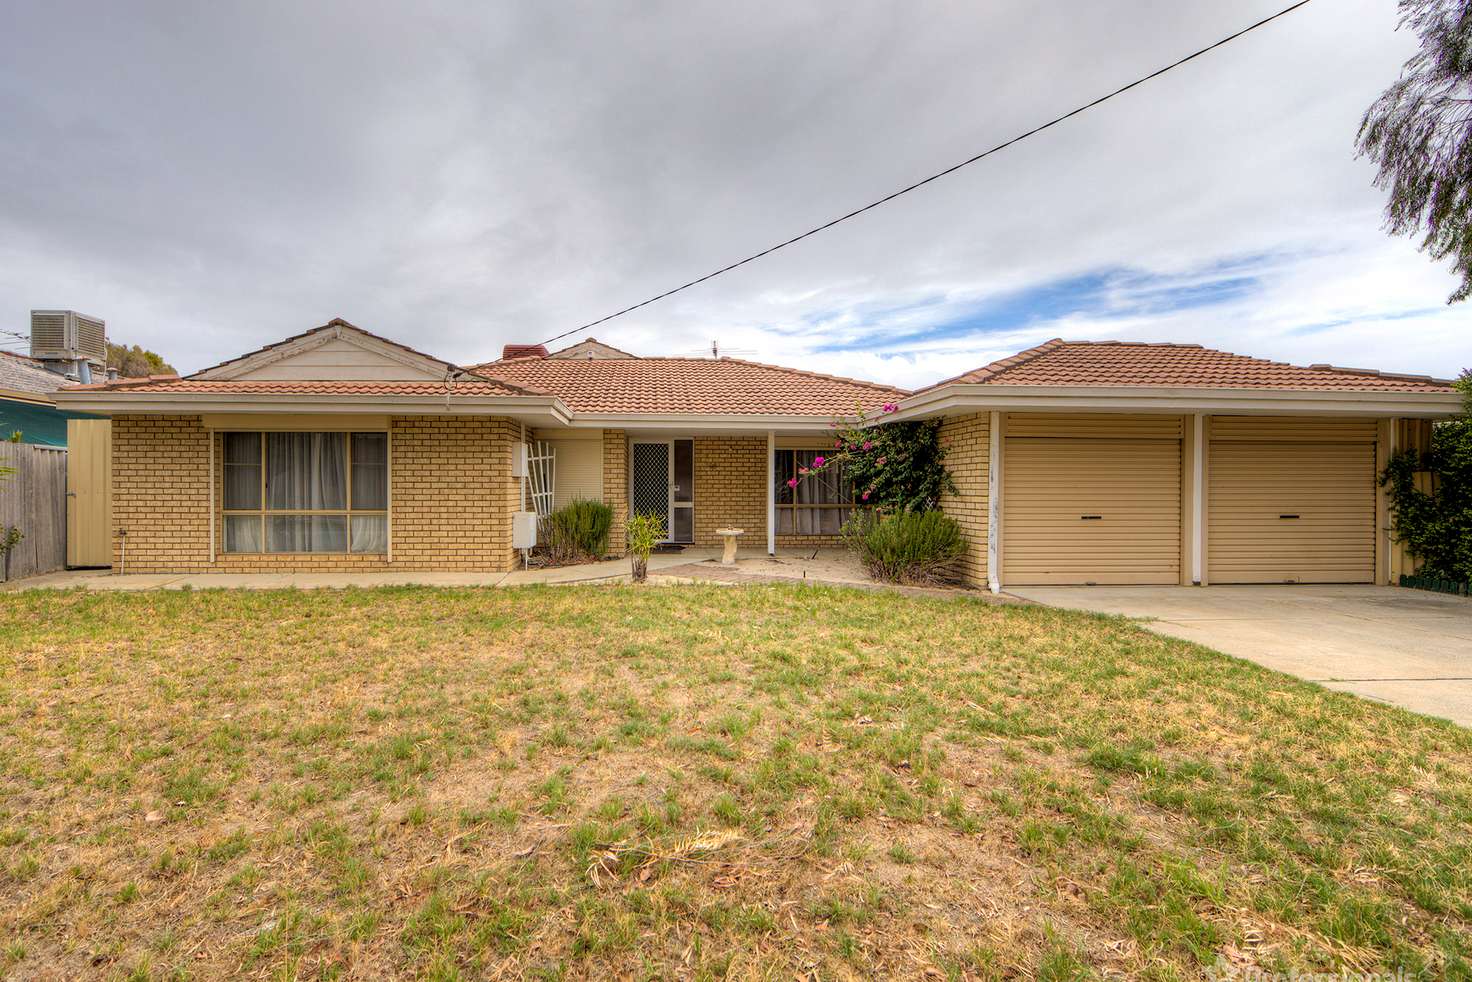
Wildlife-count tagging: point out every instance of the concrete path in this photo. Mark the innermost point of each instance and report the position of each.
(820, 565)
(609, 571)
(1407, 647)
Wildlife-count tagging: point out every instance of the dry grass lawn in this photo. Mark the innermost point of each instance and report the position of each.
(698, 781)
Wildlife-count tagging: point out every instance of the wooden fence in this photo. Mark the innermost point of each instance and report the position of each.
(33, 499)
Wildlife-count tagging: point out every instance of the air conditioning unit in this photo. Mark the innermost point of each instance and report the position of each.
(65, 335)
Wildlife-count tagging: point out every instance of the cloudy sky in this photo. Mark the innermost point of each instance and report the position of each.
(213, 177)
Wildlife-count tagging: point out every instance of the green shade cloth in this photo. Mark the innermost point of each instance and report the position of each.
(43, 425)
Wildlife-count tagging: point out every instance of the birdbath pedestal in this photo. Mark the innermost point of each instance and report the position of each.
(729, 537)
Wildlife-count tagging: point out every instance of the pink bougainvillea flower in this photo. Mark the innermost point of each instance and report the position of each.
(818, 461)
(866, 496)
(868, 444)
(881, 461)
(890, 407)
(792, 482)
(837, 444)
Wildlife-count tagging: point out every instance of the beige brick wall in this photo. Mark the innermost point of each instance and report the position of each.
(452, 493)
(731, 489)
(968, 448)
(616, 486)
(160, 494)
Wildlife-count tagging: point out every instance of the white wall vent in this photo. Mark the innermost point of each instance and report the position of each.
(65, 335)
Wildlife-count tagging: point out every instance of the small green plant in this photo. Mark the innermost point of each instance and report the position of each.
(907, 546)
(578, 531)
(644, 532)
(9, 538)
(6, 471)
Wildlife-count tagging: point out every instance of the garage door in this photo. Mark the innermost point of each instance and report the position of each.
(1091, 499)
(1290, 501)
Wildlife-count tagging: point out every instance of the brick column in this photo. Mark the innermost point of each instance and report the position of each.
(616, 486)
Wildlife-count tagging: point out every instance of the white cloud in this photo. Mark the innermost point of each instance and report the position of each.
(467, 175)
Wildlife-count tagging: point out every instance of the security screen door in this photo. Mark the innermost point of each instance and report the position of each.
(661, 478)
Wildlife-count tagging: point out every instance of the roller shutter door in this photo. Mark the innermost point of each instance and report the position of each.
(1291, 501)
(1091, 499)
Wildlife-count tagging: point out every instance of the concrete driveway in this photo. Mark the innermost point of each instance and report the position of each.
(1406, 647)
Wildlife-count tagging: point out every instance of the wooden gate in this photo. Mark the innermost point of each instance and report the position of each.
(89, 492)
(32, 500)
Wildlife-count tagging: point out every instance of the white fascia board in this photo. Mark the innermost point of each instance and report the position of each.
(544, 409)
(956, 399)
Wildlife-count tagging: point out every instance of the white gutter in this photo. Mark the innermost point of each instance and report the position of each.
(722, 422)
(970, 398)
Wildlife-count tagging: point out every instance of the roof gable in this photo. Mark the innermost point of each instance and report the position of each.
(591, 349)
(338, 352)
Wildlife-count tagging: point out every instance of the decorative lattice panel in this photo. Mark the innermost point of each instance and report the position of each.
(651, 478)
(541, 476)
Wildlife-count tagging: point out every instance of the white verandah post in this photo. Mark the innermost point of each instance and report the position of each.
(994, 503)
(771, 493)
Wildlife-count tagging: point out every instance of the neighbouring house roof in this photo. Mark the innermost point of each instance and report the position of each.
(693, 386)
(591, 348)
(19, 373)
(1060, 363)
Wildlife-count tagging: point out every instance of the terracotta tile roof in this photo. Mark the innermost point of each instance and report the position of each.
(706, 386)
(1137, 363)
(173, 383)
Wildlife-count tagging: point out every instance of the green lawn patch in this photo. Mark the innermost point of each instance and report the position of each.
(766, 781)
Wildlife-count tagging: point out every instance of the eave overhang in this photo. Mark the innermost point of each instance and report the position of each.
(538, 410)
(963, 398)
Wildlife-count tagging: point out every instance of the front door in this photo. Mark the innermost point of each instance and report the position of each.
(661, 483)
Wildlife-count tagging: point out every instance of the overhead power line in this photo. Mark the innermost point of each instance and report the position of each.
(937, 175)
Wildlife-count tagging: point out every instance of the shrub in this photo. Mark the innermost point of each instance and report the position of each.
(907, 546)
(644, 532)
(579, 530)
(1436, 525)
(891, 466)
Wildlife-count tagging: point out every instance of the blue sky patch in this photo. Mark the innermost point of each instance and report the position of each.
(1114, 292)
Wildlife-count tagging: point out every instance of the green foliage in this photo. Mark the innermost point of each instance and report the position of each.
(907, 546)
(891, 466)
(5, 469)
(136, 362)
(644, 532)
(1419, 132)
(1436, 526)
(579, 530)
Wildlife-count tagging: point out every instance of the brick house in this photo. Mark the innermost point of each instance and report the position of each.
(1101, 462)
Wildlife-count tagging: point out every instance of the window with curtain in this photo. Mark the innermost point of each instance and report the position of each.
(819, 504)
(306, 492)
